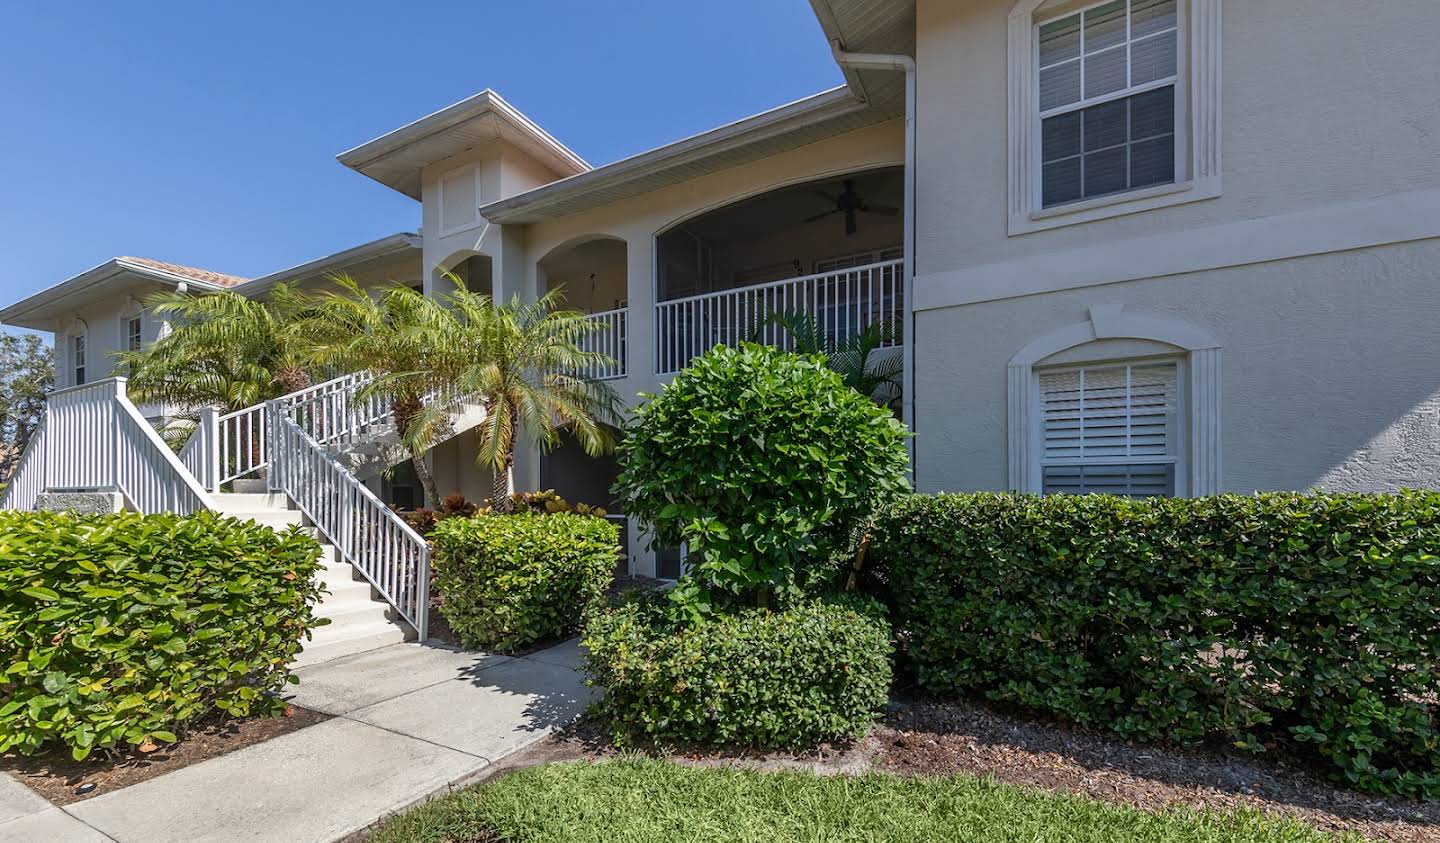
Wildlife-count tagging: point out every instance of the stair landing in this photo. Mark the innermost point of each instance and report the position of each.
(359, 620)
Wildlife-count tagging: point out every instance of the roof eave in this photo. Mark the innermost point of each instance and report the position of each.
(383, 247)
(822, 106)
(88, 282)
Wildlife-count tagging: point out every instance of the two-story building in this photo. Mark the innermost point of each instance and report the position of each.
(1170, 247)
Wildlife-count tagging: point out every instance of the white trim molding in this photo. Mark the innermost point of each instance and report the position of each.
(1202, 388)
(1199, 173)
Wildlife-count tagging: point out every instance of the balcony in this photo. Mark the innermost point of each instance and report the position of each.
(843, 303)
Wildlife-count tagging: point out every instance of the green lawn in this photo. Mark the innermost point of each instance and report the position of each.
(650, 801)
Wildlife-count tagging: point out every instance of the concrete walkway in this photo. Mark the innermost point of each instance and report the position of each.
(410, 721)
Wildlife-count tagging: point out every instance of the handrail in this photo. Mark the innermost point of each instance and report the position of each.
(843, 303)
(849, 270)
(148, 473)
(366, 533)
(28, 479)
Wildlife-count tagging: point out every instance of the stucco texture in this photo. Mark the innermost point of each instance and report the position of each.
(1330, 370)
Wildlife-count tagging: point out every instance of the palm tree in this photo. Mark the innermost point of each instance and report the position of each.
(867, 361)
(521, 361)
(392, 335)
(224, 350)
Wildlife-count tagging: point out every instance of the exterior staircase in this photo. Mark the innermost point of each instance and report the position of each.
(359, 620)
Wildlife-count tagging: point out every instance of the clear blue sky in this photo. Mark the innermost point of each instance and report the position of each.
(206, 133)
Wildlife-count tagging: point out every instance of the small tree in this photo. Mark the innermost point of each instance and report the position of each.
(393, 335)
(224, 350)
(766, 464)
(523, 361)
(27, 373)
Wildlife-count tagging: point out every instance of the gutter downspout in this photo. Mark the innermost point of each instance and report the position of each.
(906, 64)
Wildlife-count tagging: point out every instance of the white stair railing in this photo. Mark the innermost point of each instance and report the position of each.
(28, 479)
(333, 412)
(843, 303)
(97, 440)
(365, 532)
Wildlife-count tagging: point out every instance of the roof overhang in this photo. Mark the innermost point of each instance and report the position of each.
(41, 311)
(869, 26)
(347, 259)
(771, 132)
(396, 158)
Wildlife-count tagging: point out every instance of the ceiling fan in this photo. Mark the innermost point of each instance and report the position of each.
(850, 204)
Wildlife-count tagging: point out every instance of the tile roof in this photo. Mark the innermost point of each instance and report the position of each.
(204, 276)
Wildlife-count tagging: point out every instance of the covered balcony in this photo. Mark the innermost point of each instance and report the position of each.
(829, 249)
(591, 274)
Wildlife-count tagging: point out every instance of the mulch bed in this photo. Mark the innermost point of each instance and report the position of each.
(931, 739)
(56, 776)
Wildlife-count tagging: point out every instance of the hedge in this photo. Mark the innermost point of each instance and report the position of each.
(510, 581)
(814, 672)
(124, 629)
(1304, 623)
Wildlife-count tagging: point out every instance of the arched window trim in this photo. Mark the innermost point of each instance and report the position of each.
(1202, 382)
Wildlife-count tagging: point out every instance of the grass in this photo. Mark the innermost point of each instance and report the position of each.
(656, 801)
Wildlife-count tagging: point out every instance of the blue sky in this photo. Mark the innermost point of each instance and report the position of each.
(206, 133)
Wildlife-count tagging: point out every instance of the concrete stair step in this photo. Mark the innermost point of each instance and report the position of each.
(349, 640)
(277, 519)
(251, 501)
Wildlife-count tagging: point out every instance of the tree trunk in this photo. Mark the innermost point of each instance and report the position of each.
(427, 480)
(502, 488)
(290, 379)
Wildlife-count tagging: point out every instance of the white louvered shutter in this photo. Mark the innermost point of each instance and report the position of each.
(1110, 429)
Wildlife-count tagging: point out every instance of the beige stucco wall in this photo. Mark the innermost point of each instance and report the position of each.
(102, 320)
(1322, 101)
(1312, 268)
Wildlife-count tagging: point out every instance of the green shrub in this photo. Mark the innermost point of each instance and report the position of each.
(1307, 623)
(764, 463)
(510, 581)
(814, 672)
(126, 628)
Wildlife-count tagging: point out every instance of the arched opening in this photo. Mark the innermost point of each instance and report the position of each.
(819, 226)
(830, 250)
(591, 273)
(475, 272)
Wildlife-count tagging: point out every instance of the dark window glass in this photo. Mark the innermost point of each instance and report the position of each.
(1109, 148)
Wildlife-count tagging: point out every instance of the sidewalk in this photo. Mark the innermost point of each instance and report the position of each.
(410, 721)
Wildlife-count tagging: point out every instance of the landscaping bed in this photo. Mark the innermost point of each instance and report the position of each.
(929, 739)
(652, 800)
(57, 777)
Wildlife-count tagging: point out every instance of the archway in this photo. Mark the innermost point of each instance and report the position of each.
(591, 272)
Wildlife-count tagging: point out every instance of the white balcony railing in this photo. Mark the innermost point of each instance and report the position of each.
(843, 303)
(609, 339)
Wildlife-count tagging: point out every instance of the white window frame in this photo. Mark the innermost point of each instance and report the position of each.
(1179, 458)
(134, 339)
(1198, 380)
(1197, 119)
(442, 224)
(78, 353)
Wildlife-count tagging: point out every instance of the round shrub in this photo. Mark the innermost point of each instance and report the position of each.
(510, 581)
(125, 628)
(764, 462)
(814, 672)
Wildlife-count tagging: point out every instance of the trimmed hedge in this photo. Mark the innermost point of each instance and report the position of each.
(510, 581)
(1307, 623)
(814, 672)
(126, 628)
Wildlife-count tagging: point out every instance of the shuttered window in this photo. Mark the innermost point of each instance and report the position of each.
(1110, 429)
(1108, 77)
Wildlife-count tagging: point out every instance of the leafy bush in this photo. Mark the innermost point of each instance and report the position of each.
(424, 521)
(510, 581)
(126, 628)
(814, 672)
(1309, 623)
(764, 463)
